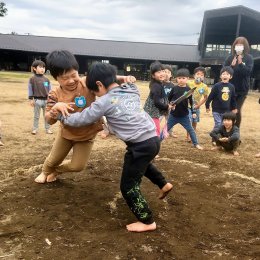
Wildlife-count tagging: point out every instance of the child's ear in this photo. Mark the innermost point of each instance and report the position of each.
(99, 84)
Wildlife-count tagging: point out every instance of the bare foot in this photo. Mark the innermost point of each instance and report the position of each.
(173, 135)
(165, 190)
(141, 227)
(257, 155)
(236, 153)
(199, 147)
(41, 178)
(51, 177)
(104, 134)
(216, 148)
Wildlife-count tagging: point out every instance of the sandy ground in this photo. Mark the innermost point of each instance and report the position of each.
(213, 211)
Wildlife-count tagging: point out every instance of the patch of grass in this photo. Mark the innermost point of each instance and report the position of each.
(11, 75)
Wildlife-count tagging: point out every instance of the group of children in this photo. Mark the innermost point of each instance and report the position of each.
(73, 103)
(164, 96)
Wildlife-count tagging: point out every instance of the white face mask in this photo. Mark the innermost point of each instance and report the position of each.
(239, 49)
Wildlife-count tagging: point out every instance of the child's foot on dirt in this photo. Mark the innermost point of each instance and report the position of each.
(236, 153)
(216, 148)
(173, 135)
(51, 177)
(1, 143)
(257, 155)
(165, 190)
(41, 178)
(104, 134)
(199, 147)
(141, 227)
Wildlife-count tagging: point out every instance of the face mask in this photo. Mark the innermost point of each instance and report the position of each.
(239, 49)
(198, 80)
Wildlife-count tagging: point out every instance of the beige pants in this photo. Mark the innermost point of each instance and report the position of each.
(55, 163)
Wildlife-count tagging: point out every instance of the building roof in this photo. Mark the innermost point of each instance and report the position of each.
(101, 48)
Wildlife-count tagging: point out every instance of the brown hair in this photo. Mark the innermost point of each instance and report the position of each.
(241, 40)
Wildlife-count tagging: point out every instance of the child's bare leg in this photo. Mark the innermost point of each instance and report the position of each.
(141, 227)
(165, 190)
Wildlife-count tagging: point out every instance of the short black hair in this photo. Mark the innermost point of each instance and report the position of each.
(37, 63)
(156, 66)
(60, 62)
(183, 72)
(230, 116)
(227, 69)
(103, 72)
(202, 69)
(168, 67)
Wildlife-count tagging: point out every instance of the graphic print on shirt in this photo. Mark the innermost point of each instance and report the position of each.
(126, 105)
(225, 93)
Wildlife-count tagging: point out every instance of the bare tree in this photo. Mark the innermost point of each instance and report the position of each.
(3, 9)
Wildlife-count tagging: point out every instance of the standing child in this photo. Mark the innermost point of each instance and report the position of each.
(122, 107)
(180, 113)
(168, 85)
(156, 103)
(227, 135)
(223, 97)
(38, 89)
(200, 95)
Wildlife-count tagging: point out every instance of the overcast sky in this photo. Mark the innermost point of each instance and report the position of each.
(164, 21)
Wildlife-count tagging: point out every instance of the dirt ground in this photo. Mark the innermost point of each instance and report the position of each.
(213, 211)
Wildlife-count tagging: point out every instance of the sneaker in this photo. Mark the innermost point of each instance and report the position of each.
(34, 132)
(48, 131)
(1, 143)
(199, 147)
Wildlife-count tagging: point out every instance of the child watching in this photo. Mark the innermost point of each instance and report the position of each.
(122, 107)
(156, 104)
(38, 89)
(227, 135)
(180, 113)
(199, 95)
(223, 97)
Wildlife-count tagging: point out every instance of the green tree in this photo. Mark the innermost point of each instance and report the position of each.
(3, 9)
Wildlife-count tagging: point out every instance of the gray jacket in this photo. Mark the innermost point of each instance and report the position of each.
(122, 108)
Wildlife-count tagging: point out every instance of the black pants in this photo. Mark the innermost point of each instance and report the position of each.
(137, 163)
(240, 99)
(230, 146)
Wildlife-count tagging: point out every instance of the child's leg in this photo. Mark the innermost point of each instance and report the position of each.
(46, 125)
(59, 151)
(137, 159)
(157, 125)
(37, 110)
(172, 121)
(185, 122)
(80, 157)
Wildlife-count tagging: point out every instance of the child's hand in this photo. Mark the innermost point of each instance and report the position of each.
(171, 107)
(54, 114)
(194, 116)
(234, 61)
(32, 102)
(129, 79)
(207, 110)
(63, 108)
(196, 106)
(223, 139)
(234, 111)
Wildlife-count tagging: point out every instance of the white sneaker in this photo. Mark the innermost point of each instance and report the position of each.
(34, 132)
(48, 131)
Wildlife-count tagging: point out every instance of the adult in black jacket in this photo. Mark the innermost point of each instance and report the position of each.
(242, 63)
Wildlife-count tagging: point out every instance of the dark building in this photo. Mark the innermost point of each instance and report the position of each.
(219, 29)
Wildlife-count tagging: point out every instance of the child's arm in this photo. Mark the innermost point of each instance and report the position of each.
(210, 98)
(233, 102)
(88, 116)
(30, 93)
(126, 79)
(235, 135)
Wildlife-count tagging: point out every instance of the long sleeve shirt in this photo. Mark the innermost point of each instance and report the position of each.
(223, 98)
(241, 76)
(38, 87)
(232, 135)
(158, 95)
(181, 109)
(122, 108)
